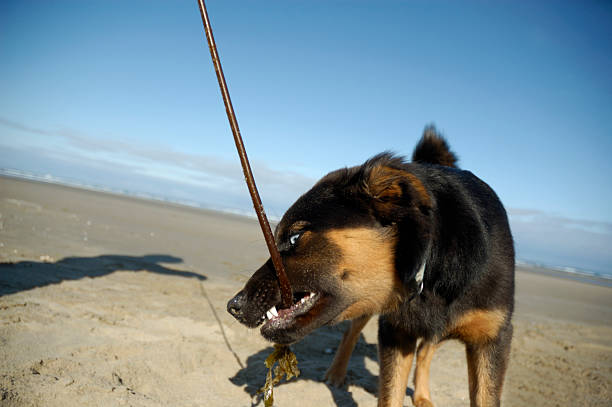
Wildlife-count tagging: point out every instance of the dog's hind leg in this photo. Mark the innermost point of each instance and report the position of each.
(421, 397)
(487, 362)
(336, 373)
(395, 354)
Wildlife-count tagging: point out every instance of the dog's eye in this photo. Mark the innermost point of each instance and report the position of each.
(294, 238)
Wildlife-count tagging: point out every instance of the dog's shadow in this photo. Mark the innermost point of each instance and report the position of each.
(315, 353)
(25, 275)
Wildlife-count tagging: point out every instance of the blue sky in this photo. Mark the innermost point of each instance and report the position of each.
(123, 94)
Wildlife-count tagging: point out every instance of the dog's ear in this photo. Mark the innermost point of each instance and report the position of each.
(396, 192)
(399, 197)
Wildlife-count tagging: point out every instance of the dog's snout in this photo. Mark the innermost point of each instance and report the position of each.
(259, 294)
(234, 306)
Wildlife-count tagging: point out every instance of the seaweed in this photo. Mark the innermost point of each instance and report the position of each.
(287, 365)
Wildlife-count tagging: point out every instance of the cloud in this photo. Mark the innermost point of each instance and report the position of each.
(562, 241)
(221, 176)
(191, 167)
(531, 215)
(22, 127)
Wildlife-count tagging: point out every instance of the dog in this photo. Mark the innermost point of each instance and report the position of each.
(425, 245)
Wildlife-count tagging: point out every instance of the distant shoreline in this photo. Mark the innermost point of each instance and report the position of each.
(582, 276)
(128, 195)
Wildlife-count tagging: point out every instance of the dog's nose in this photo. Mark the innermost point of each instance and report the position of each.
(234, 306)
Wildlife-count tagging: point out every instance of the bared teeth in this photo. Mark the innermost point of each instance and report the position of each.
(309, 296)
(272, 312)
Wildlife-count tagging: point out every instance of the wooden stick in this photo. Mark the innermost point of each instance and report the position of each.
(285, 287)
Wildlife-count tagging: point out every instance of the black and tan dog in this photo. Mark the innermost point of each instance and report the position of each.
(424, 244)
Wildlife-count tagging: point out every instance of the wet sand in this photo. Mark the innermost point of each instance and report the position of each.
(108, 300)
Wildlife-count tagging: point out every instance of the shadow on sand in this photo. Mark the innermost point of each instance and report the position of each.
(314, 357)
(24, 275)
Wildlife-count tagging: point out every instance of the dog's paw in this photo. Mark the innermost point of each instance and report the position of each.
(423, 403)
(335, 378)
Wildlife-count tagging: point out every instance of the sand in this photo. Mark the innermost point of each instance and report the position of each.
(108, 300)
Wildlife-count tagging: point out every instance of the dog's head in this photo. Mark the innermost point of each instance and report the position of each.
(338, 243)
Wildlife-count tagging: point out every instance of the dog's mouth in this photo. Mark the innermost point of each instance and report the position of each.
(303, 303)
(291, 324)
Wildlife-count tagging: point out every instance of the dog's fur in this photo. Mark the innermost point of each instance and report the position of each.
(356, 245)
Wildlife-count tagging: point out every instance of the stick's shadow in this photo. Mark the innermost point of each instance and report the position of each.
(25, 275)
(313, 360)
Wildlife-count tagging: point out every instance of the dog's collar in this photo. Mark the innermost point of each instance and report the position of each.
(419, 278)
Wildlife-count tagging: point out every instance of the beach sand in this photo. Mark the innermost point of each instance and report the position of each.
(109, 300)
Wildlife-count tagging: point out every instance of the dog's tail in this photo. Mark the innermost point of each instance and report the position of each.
(433, 149)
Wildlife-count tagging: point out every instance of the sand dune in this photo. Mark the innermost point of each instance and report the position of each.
(108, 300)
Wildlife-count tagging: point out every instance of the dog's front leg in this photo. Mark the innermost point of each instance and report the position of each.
(336, 373)
(395, 354)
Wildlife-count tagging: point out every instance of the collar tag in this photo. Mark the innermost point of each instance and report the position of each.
(419, 277)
